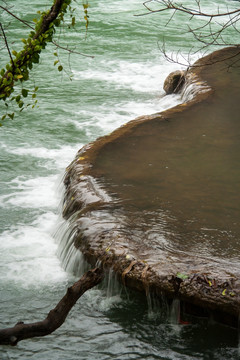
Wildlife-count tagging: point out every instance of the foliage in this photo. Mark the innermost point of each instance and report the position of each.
(21, 62)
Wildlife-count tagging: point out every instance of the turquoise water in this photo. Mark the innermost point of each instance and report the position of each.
(123, 80)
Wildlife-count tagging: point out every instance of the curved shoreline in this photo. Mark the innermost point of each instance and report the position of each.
(99, 222)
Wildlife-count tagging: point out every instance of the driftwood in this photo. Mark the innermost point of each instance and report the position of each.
(57, 316)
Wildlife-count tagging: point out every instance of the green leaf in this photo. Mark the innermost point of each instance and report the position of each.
(182, 276)
(35, 58)
(8, 89)
(38, 48)
(24, 92)
(56, 62)
(57, 22)
(11, 116)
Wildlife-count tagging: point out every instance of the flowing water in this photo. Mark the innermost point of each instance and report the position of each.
(122, 81)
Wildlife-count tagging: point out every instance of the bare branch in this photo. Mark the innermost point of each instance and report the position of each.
(55, 317)
(210, 32)
(71, 51)
(6, 43)
(16, 17)
(169, 5)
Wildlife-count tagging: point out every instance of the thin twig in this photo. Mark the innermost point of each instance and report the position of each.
(6, 42)
(16, 17)
(170, 6)
(71, 51)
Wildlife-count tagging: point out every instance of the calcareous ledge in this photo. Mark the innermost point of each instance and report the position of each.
(157, 200)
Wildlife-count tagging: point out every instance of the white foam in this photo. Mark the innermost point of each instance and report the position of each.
(61, 156)
(131, 110)
(143, 77)
(32, 193)
(27, 254)
(107, 118)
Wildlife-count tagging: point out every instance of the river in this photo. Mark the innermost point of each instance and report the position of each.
(123, 80)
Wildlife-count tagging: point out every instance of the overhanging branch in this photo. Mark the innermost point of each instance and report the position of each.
(30, 50)
(55, 317)
(16, 17)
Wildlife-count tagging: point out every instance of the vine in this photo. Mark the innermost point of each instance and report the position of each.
(21, 62)
(86, 16)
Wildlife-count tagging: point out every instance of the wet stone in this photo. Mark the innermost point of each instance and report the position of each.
(174, 82)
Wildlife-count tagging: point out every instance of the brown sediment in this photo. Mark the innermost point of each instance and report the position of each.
(157, 200)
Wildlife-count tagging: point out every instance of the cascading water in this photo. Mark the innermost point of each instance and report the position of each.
(123, 81)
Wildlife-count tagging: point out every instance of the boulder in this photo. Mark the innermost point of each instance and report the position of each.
(174, 82)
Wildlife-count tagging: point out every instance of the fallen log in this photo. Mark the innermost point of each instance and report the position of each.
(57, 316)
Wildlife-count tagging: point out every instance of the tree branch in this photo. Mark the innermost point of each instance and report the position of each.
(16, 17)
(6, 43)
(211, 31)
(30, 51)
(71, 51)
(50, 17)
(57, 316)
(169, 5)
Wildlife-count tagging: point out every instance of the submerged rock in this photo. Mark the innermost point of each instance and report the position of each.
(174, 82)
(158, 200)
